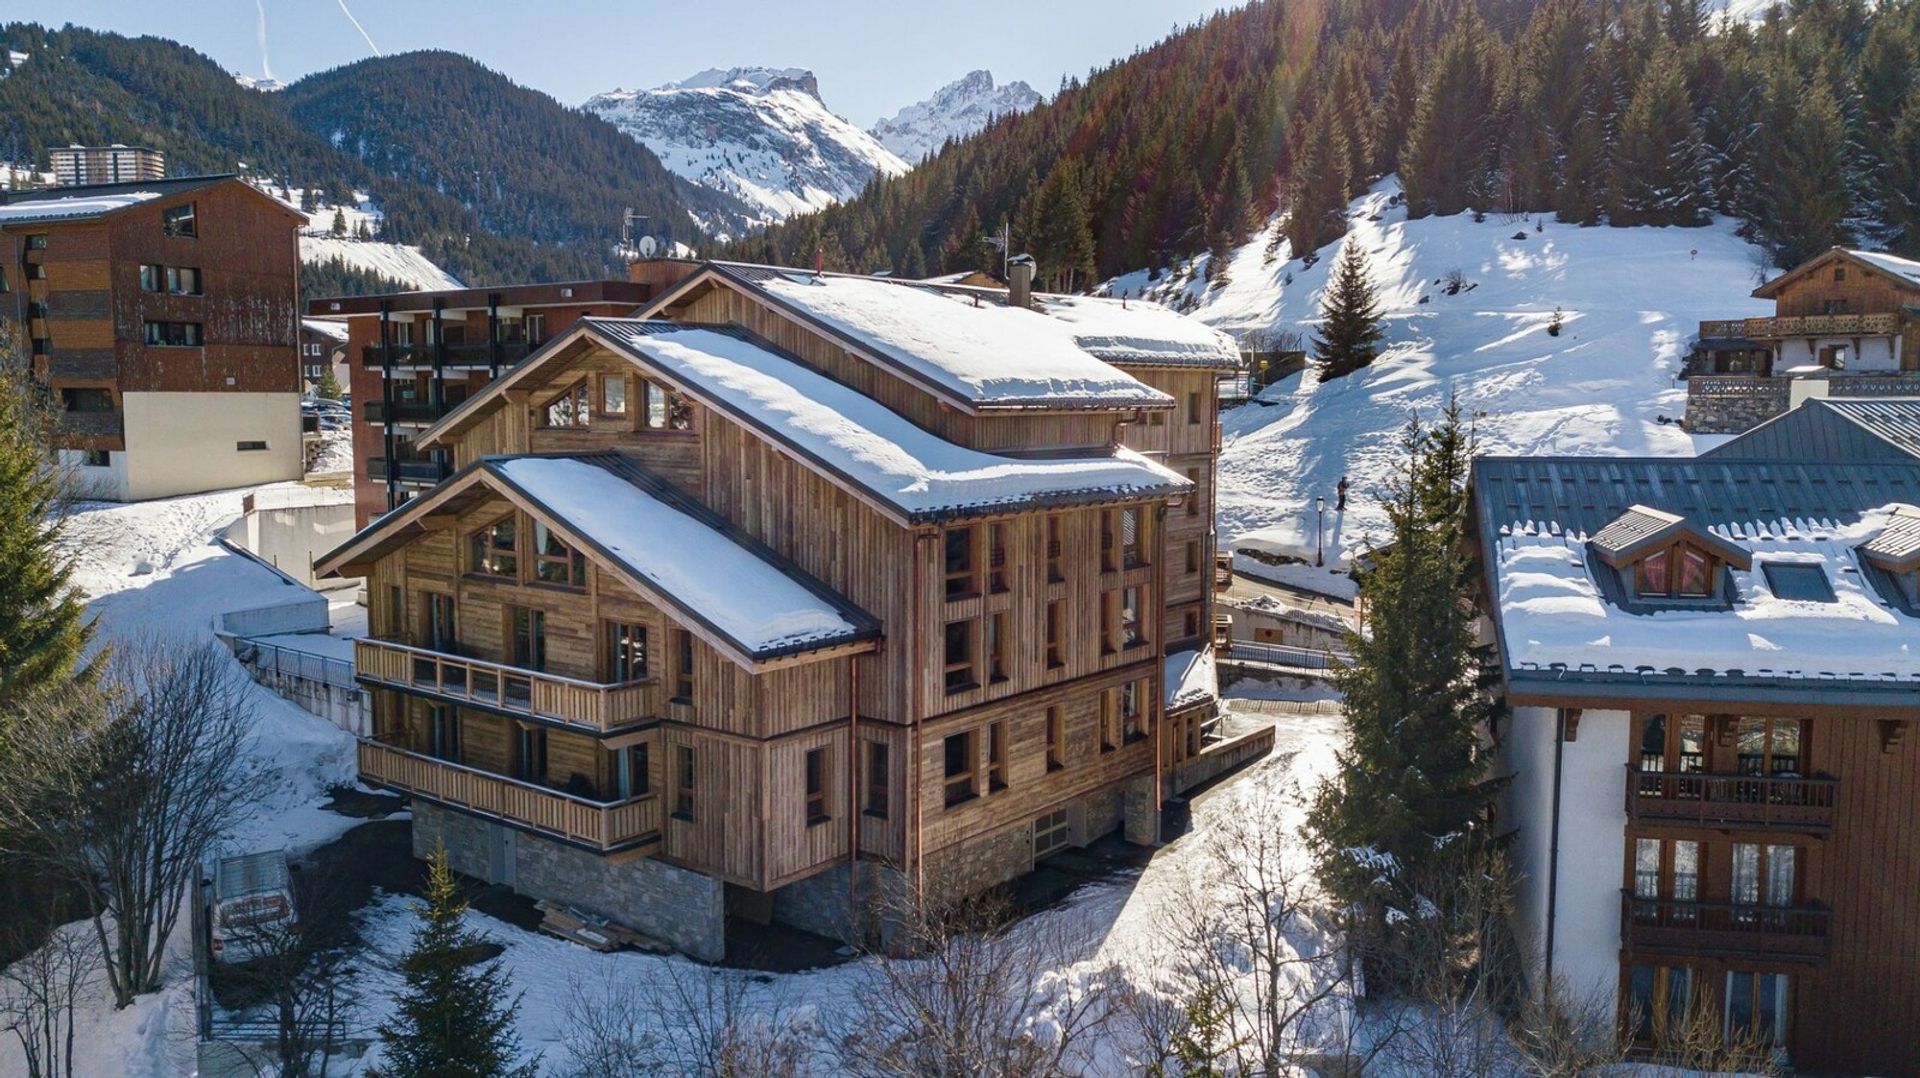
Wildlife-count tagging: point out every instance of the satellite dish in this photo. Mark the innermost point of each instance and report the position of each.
(647, 246)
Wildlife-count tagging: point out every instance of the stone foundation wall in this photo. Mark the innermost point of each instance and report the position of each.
(674, 905)
(1733, 404)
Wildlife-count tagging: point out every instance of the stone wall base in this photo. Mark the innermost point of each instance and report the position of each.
(674, 905)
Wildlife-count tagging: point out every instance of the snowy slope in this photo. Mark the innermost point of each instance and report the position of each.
(401, 262)
(956, 110)
(1632, 298)
(762, 135)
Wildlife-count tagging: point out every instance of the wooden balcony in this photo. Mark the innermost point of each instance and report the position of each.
(606, 826)
(1668, 926)
(592, 706)
(1811, 325)
(1222, 570)
(1752, 802)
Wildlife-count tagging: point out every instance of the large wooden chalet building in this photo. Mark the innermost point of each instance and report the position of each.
(1714, 667)
(794, 588)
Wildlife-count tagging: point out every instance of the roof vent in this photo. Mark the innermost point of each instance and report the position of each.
(1020, 281)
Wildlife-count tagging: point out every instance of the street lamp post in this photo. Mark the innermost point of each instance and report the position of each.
(1320, 532)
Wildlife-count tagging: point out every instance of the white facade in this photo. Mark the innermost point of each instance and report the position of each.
(1593, 821)
(1865, 355)
(185, 443)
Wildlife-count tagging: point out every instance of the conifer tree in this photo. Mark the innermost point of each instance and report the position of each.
(1317, 187)
(1659, 168)
(1350, 331)
(1445, 164)
(1394, 113)
(452, 1021)
(43, 624)
(1800, 164)
(1411, 787)
(339, 223)
(328, 387)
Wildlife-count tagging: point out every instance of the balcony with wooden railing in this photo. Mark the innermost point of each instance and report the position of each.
(1810, 325)
(1683, 928)
(632, 825)
(592, 706)
(1222, 570)
(1752, 802)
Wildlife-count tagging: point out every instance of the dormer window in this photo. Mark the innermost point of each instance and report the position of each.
(1679, 572)
(1892, 559)
(1661, 557)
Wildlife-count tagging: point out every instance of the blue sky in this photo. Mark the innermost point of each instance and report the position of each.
(872, 57)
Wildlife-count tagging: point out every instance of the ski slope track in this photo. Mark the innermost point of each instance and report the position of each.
(1631, 300)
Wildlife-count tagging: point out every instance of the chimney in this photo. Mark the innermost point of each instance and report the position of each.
(1020, 281)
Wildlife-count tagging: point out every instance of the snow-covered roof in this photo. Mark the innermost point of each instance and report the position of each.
(736, 590)
(324, 327)
(920, 475)
(1190, 678)
(971, 349)
(72, 208)
(1894, 264)
(1897, 547)
(1643, 528)
(1141, 333)
(1560, 622)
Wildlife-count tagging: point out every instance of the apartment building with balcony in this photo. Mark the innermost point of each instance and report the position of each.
(1713, 677)
(1845, 324)
(161, 319)
(79, 166)
(799, 589)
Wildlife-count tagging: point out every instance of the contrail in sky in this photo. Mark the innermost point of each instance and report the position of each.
(266, 69)
(357, 26)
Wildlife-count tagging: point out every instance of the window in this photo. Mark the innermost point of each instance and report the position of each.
(1672, 743)
(1056, 634)
(1802, 583)
(179, 221)
(181, 281)
(491, 550)
(37, 241)
(1193, 500)
(817, 786)
(1190, 624)
(961, 751)
(1666, 868)
(1056, 740)
(536, 328)
(996, 648)
(613, 395)
(36, 272)
(683, 784)
(1680, 572)
(961, 566)
(1193, 556)
(959, 656)
(1193, 410)
(527, 635)
(683, 667)
(1109, 553)
(1132, 717)
(554, 562)
(878, 780)
(440, 629)
(530, 755)
(3, 280)
(633, 771)
(1109, 722)
(1839, 273)
(96, 458)
(1051, 834)
(86, 400)
(1757, 1006)
(1055, 569)
(569, 409)
(997, 558)
(664, 409)
(1109, 622)
(443, 732)
(173, 334)
(996, 756)
(656, 406)
(626, 652)
(249, 447)
(1131, 633)
(1768, 746)
(1763, 875)
(1132, 541)
(1658, 998)
(394, 620)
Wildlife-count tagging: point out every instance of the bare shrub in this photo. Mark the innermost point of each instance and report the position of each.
(693, 1022)
(40, 993)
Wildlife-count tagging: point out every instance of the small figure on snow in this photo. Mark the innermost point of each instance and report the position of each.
(1340, 491)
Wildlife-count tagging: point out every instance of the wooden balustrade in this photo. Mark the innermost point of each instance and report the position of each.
(593, 705)
(607, 826)
(1650, 926)
(1222, 570)
(1807, 325)
(1752, 801)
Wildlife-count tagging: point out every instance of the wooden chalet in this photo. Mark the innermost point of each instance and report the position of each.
(794, 588)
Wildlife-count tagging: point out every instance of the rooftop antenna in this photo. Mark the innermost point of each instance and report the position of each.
(627, 220)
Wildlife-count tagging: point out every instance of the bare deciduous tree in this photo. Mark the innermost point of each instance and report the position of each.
(128, 785)
(302, 970)
(40, 992)
(692, 1022)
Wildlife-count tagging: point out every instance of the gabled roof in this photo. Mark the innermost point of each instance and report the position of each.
(1897, 548)
(1642, 529)
(715, 580)
(1833, 428)
(86, 202)
(1904, 271)
(903, 470)
(964, 346)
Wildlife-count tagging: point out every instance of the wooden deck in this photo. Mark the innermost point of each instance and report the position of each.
(592, 706)
(1666, 926)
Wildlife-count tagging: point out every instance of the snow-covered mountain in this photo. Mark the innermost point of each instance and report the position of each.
(1629, 298)
(760, 134)
(956, 110)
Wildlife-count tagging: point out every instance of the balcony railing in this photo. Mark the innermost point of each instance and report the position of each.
(465, 354)
(1222, 570)
(593, 706)
(1810, 325)
(1723, 929)
(411, 471)
(407, 411)
(1693, 798)
(81, 424)
(607, 826)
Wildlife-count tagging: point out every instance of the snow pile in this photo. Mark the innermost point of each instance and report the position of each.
(749, 599)
(1123, 332)
(982, 351)
(1190, 678)
(762, 135)
(1631, 300)
(331, 453)
(955, 111)
(1552, 612)
(54, 209)
(920, 474)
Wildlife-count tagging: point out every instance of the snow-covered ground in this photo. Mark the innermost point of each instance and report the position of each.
(1631, 299)
(396, 261)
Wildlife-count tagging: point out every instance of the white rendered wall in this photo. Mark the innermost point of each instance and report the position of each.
(1593, 820)
(185, 443)
(107, 484)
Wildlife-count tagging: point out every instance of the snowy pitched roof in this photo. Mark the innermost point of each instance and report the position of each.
(1905, 270)
(1562, 631)
(1190, 678)
(919, 475)
(1899, 267)
(1141, 333)
(324, 327)
(72, 207)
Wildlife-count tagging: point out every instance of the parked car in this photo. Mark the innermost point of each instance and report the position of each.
(252, 900)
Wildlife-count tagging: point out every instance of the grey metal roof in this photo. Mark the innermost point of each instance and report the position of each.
(1643, 528)
(54, 196)
(1865, 428)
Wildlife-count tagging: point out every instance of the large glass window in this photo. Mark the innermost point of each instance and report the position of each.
(1757, 1006)
(1768, 746)
(879, 779)
(959, 656)
(960, 563)
(554, 562)
(816, 775)
(527, 636)
(613, 395)
(180, 221)
(493, 549)
(173, 334)
(1132, 632)
(961, 766)
(569, 409)
(626, 653)
(683, 784)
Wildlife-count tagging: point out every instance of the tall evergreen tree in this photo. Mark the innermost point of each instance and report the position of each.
(1394, 113)
(1445, 165)
(1801, 176)
(1317, 187)
(1411, 787)
(1659, 168)
(1350, 331)
(452, 1021)
(43, 624)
